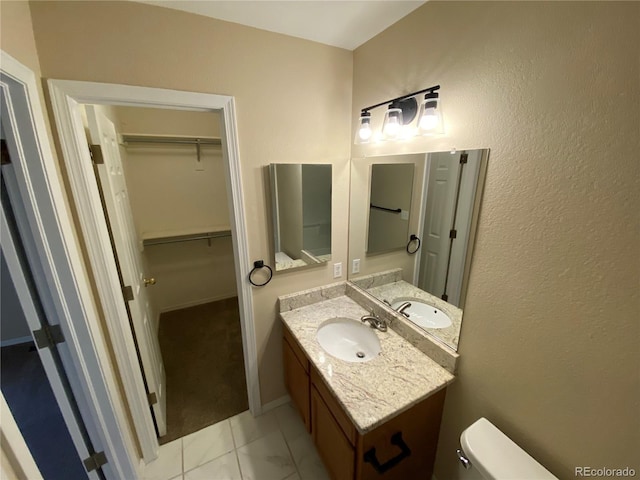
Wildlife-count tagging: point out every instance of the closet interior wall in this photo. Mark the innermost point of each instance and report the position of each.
(173, 194)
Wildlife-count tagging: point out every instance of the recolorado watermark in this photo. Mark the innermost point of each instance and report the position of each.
(604, 472)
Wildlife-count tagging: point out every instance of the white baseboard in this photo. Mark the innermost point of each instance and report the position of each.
(275, 403)
(195, 303)
(16, 341)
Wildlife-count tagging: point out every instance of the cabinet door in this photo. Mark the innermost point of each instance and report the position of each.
(405, 446)
(297, 382)
(334, 448)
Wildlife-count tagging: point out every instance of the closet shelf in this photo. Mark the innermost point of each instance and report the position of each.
(131, 139)
(160, 238)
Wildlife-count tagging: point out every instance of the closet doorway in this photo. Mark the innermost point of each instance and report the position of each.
(162, 183)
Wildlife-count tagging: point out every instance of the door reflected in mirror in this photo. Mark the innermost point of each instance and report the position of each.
(301, 214)
(445, 195)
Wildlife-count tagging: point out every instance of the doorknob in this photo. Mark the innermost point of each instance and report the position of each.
(149, 281)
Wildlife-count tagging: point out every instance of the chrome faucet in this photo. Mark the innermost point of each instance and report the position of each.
(401, 309)
(374, 322)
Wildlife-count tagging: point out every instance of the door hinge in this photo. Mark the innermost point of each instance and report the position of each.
(48, 336)
(453, 233)
(6, 157)
(96, 154)
(127, 292)
(153, 398)
(95, 461)
(464, 157)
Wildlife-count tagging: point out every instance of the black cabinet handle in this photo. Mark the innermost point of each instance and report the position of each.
(405, 451)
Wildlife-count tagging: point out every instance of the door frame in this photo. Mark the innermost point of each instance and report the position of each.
(16, 460)
(66, 97)
(40, 208)
(13, 250)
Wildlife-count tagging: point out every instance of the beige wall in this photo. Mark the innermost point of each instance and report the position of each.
(171, 194)
(549, 344)
(279, 83)
(16, 33)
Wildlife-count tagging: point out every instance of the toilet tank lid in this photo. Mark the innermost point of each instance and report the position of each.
(496, 456)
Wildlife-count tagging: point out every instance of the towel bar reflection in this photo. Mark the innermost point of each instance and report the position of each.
(384, 209)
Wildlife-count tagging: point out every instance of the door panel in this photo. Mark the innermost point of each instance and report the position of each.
(116, 198)
(333, 447)
(21, 277)
(439, 212)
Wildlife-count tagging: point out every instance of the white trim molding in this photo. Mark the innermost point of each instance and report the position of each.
(66, 97)
(41, 212)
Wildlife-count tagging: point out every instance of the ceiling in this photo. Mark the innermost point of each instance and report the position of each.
(344, 24)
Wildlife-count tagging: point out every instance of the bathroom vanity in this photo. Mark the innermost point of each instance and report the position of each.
(376, 417)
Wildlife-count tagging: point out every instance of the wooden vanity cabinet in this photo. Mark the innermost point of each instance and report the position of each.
(336, 451)
(296, 377)
(401, 448)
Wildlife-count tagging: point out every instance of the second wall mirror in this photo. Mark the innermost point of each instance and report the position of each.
(301, 214)
(442, 192)
(389, 206)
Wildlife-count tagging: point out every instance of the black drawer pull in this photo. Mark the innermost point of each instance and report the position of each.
(405, 451)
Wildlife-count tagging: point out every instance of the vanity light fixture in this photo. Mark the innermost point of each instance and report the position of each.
(364, 131)
(400, 115)
(392, 123)
(429, 119)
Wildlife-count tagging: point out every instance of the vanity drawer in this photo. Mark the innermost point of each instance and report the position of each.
(334, 407)
(296, 349)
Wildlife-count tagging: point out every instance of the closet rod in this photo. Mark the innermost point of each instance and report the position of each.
(186, 238)
(179, 140)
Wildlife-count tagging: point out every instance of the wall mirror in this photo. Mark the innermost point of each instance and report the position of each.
(301, 214)
(445, 195)
(389, 206)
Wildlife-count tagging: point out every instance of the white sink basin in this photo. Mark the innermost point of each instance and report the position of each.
(423, 314)
(348, 340)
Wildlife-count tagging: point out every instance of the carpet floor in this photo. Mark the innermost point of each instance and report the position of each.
(202, 353)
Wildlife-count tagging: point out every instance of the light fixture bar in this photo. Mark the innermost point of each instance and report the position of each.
(403, 97)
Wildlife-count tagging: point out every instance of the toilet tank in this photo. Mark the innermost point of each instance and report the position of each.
(494, 456)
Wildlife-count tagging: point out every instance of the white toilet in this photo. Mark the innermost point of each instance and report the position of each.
(488, 454)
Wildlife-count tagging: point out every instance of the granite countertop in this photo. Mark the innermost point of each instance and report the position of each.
(372, 392)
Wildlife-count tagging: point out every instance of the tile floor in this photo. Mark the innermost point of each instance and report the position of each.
(274, 446)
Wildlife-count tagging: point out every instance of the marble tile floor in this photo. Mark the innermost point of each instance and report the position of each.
(274, 446)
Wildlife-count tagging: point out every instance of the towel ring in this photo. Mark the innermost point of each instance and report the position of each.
(413, 238)
(257, 265)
